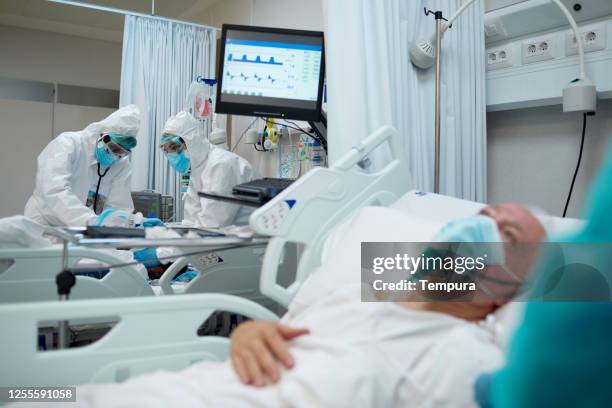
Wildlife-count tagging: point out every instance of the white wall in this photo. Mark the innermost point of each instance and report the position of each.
(298, 14)
(25, 131)
(51, 57)
(295, 14)
(27, 126)
(532, 155)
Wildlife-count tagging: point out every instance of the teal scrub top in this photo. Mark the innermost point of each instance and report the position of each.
(561, 355)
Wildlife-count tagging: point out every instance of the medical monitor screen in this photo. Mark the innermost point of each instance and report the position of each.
(270, 72)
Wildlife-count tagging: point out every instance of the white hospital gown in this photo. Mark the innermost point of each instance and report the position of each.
(357, 355)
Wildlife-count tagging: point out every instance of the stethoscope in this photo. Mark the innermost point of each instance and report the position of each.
(105, 139)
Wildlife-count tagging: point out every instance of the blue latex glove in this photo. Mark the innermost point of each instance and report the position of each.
(114, 218)
(185, 276)
(152, 222)
(100, 221)
(148, 256)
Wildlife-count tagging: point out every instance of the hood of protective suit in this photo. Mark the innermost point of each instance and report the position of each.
(123, 121)
(184, 125)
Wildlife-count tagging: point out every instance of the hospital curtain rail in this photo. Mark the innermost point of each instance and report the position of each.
(160, 60)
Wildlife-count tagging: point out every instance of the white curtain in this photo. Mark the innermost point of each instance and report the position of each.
(160, 60)
(371, 82)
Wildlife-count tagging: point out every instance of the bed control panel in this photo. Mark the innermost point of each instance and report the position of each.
(271, 220)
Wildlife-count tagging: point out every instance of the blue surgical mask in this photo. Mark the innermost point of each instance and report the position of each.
(179, 161)
(477, 236)
(104, 156)
(478, 229)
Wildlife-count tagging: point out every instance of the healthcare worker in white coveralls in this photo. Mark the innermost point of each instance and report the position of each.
(213, 170)
(81, 174)
(84, 177)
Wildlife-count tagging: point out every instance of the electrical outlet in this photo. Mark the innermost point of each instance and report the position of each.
(498, 58)
(538, 49)
(594, 39)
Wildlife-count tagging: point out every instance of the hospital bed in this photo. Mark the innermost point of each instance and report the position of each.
(28, 274)
(233, 271)
(163, 329)
(304, 215)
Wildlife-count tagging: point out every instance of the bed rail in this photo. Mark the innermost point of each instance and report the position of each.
(307, 211)
(152, 333)
(29, 274)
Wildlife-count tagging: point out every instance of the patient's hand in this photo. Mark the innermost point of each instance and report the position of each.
(258, 347)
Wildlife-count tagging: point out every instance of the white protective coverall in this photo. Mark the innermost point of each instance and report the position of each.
(213, 170)
(67, 174)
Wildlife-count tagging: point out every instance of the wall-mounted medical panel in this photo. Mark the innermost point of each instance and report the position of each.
(511, 19)
(530, 71)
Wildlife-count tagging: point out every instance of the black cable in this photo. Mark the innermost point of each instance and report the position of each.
(263, 139)
(298, 127)
(312, 134)
(569, 196)
(95, 203)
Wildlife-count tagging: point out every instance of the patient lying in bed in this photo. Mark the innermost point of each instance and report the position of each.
(331, 349)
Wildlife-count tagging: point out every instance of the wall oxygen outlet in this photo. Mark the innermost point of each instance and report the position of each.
(538, 49)
(594, 39)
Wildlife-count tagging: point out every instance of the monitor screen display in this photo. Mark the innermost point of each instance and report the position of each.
(271, 72)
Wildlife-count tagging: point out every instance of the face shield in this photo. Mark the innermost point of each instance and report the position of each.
(115, 149)
(171, 144)
(176, 153)
(107, 152)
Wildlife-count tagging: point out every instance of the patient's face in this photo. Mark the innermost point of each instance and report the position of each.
(522, 233)
(516, 224)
